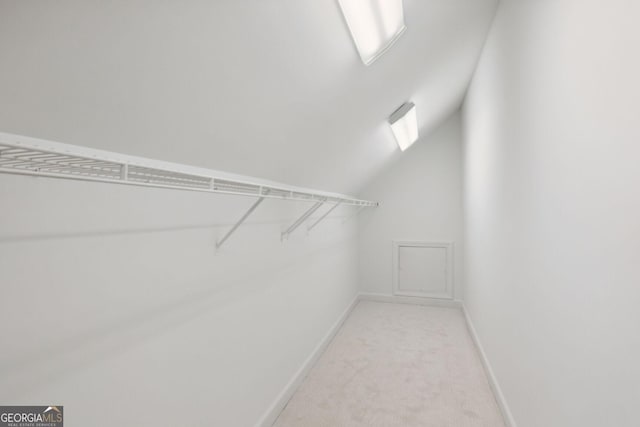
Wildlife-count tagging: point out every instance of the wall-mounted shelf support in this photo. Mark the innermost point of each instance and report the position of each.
(324, 215)
(301, 220)
(240, 221)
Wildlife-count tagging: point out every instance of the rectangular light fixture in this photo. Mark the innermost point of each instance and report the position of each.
(374, 24)
(404, 124)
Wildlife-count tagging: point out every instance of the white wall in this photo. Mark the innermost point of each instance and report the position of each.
(552, 209)
(115, 304)
(113, 301)
(420, 197)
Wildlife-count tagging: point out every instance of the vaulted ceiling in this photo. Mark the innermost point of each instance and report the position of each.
(273, 89)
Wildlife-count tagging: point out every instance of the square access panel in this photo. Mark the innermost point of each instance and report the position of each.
(423, 269)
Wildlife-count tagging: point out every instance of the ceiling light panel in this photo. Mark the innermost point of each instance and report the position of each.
(374, 24)
(404, 124)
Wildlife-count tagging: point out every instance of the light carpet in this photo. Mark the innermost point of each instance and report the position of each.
(396, 365)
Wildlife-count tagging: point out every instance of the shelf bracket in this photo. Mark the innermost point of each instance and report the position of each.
(301, 220)
(324, 215)
(240, 221)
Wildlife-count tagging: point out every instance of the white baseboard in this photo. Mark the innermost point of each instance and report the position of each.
(281, 401)
(493, 382)
(398, 299)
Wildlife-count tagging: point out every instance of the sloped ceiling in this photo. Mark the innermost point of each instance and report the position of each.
(273, 89)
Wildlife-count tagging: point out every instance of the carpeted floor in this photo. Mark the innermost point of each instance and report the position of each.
(396, 365)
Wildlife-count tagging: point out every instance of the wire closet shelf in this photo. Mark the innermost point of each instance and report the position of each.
(29, 156)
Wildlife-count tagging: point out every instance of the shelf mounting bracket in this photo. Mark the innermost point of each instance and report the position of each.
(240, 221)
(324, 215)
(301, 220)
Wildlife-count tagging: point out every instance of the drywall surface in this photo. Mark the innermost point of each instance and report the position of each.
(552, 208)
(420, 199)
(115, 304)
